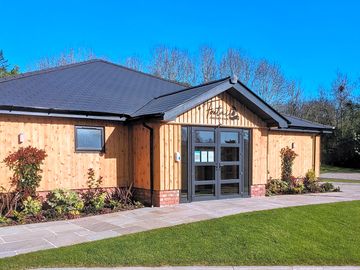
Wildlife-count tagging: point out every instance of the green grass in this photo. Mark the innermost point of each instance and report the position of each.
(327, 234)
(334, 169)
(339, 180)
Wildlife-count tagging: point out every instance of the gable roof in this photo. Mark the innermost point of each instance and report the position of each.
(98, 89)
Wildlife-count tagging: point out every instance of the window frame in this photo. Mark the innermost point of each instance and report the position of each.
(89, 150)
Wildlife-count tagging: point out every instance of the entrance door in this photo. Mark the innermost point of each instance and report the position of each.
(217, 163)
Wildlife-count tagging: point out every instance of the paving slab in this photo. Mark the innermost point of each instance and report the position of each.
(26, 238)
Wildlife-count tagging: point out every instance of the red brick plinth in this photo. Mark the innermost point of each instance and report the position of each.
(160, 197)
(258, 190)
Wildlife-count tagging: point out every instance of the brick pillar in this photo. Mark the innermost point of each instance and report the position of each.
(166, 197)
(257, 190)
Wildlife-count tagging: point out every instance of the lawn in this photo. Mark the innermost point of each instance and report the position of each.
(334, 169)
(327, 234)
(339, 180)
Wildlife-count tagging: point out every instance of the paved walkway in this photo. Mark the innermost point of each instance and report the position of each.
(26, 238)
(222, 268)
(349, 176)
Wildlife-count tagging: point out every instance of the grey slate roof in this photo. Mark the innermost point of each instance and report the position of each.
(296, 122)
(101, 88)
(91, 86)
(167, 102)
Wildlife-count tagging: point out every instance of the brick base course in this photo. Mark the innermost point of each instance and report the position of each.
(161, 198)
(257, 190)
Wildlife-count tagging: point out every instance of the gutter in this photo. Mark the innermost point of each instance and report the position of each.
(151, 162)
(13, 110)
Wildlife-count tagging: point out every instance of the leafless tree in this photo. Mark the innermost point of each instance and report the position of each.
(208, 65)
(134, 62)
(173, 64)
(270, 83)
(67, 57)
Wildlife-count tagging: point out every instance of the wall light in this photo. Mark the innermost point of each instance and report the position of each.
(21, 138)
(293, 145)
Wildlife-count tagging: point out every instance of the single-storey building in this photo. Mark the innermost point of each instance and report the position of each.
(174, 143)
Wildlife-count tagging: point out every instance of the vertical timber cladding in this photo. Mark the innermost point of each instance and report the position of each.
(306, 146)
(223, 110)
(63, 168)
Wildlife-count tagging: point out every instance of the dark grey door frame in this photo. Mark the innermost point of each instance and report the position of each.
(217, 163)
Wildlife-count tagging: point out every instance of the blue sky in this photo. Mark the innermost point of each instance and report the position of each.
(311, 40)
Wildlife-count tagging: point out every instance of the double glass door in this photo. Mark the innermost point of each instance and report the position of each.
(217, 163)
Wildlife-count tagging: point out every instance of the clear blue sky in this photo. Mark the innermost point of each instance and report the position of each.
(309, 39)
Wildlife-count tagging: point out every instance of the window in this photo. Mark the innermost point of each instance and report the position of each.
(89, 139)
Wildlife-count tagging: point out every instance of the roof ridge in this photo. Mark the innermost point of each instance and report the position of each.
(47, 70)
(192, 87)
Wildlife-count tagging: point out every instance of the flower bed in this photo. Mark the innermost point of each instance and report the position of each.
(21, 203)
(288, 184)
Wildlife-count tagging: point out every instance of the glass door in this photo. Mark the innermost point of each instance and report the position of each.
(230, 162)
(204, 164)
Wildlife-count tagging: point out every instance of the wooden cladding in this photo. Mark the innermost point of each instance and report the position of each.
(306, 146)
(221, 110)
(63, 168)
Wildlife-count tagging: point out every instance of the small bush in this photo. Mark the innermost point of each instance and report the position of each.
(32, 206)
(276, 186)
(329, 187)
(311, 183)
(296, 185)
(287, 160)
(94, 197)
(65, 202)
(26, 166)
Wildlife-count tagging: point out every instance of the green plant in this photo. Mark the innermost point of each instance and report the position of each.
(311, 183)
(26, 166)
(296, 185)
(329, 187)
(276, 186)
(9, 201)
(94, 198)
(287, 161)
(4, 220)
(32, 206)
(64, 201)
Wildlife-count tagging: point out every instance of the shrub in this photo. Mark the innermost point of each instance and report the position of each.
(311, 183)
(94, 197)
(9, 201)
(32, 206)
(276, 186)
(122, 198)
(26, 166)
(329, 187)
(296, 185)
(287, 160)
(64, 201)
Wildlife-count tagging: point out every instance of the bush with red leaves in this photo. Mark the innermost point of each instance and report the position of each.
(25, 164)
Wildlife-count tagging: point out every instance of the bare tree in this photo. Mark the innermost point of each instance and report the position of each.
(134, 62)
(173, 64)
(67, 57)
(270, 83)
(208, 65)
(342, 88)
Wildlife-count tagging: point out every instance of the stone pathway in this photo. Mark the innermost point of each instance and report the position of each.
(348, 176)
(221, 268)
(26, 238)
